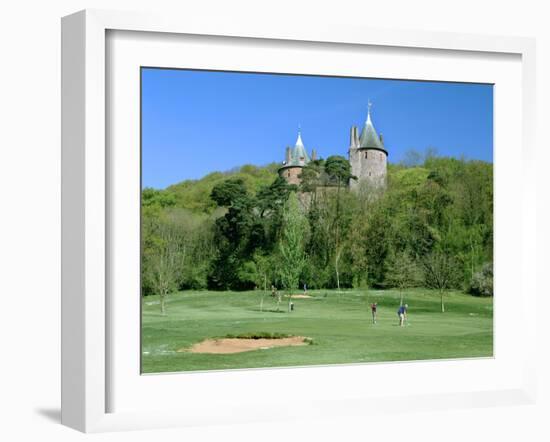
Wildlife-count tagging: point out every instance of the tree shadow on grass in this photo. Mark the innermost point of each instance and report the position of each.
(267, 310)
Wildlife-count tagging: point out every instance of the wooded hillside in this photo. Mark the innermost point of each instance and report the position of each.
(433, 226)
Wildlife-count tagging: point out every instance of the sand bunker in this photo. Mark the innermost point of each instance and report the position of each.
(299, 296)
(238, 345)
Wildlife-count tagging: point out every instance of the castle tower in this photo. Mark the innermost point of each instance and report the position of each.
(296, 159)
(367, 156)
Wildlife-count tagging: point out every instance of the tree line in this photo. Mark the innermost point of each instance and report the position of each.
(432, 225)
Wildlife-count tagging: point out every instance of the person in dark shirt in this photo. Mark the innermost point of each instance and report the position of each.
(402, 314)
(373, 308)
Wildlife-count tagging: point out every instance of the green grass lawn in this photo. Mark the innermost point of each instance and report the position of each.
(340, 326)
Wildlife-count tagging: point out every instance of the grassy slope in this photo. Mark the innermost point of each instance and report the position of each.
(340, 326)
(195, 194)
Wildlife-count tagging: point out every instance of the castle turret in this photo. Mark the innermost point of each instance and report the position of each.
(298, 158)
(368, 156)
(354, 138)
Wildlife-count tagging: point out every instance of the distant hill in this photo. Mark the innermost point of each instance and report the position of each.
(194, 195)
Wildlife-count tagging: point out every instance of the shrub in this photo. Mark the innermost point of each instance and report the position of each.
(482, 281)
(258, 335)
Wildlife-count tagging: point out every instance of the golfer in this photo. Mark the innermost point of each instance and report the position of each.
(402, 314)
(373, 308)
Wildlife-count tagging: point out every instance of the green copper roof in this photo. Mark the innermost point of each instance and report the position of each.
(369, 138)
(298, 155)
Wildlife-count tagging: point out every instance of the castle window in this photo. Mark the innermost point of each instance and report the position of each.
(366, 154)
(288, 174)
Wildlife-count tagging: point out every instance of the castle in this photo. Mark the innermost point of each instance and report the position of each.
(367, 156)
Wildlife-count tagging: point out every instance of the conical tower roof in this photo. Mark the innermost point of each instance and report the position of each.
(369, 138)
(299, 155)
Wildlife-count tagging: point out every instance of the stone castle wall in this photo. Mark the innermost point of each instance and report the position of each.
(368, 165)
(291, 174)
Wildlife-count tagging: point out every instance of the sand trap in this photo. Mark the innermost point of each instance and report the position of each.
(238, 345)
(299, 296)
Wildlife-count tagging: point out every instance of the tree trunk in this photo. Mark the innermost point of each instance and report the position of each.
(337, 257)
(473, 257)
(442, 304)
(162, 306)
(263, 294)
(161, 294)
(336, 261)
(401, 300)
(289, 300)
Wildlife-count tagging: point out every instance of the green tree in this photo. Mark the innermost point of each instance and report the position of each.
(338, 170)
(318, 271)
(157, 198)
(230, 192)
(270, 202)
(356, 247)
(379, 232)
(251, 225)
(236, 233)
(292, 244)
(313, 176)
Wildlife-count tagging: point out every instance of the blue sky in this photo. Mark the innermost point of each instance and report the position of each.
(197, 122)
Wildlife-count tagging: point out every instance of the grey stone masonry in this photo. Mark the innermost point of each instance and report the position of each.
(368, 158)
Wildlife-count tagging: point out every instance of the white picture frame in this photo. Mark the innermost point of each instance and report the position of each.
(87, 206)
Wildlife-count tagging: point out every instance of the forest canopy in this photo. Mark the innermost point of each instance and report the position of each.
(432, 226)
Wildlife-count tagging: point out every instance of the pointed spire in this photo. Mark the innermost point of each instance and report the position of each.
(369, 121)
(299, 154)
(299, 141)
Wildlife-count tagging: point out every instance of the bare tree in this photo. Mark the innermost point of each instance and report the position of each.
(403, 272)
(163, 259)
(440, 272)
(263, 272)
